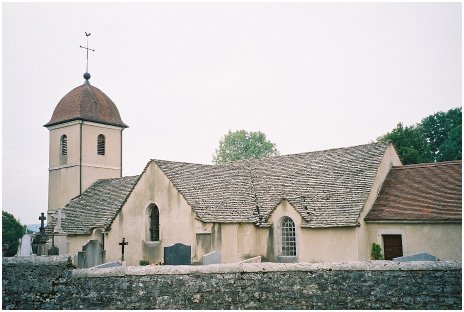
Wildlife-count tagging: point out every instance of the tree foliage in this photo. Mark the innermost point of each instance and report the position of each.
(442, 132)
(437, 137)
(12, 231)
(409, 144)
(241, 144)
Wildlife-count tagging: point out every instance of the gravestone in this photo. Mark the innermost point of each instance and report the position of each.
(58, 216)
(25, 246)
(212, 258)
(178, 254)
(92, 254)
(423, 256)
(53, 251)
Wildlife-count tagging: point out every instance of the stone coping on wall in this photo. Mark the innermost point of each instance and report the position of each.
(378, 265)
(268, 267)
(38, 260)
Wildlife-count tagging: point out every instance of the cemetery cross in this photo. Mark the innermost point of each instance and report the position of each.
(122, 244)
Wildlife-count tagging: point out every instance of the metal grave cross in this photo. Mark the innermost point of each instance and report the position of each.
(87, 48)
(122, 244)
(58, 216)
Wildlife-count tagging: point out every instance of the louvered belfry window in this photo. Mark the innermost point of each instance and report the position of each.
(154, 224)
(287, 227)
(64, 145)
(101, 144)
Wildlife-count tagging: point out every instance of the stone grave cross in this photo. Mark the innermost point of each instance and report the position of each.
(58, 216)
(122, 244)
(42, 218)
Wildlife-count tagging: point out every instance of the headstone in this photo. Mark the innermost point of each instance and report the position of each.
(81, 260)
(58, 216)
(25, 246)
(53, 251)
(212, 258)
(423, 256)
(92, 254)
(178, 254)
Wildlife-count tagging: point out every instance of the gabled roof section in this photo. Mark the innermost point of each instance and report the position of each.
(423, 192)
(328, 188)
(98, 205)
(221, 193)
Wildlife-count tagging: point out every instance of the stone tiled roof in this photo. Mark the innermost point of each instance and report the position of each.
(423, 192)
(328, 188)
(98, 205)
(89, 103)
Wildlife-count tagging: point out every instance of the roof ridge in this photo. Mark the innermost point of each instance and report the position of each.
(179, 162)
(253, 160)
(432, 164)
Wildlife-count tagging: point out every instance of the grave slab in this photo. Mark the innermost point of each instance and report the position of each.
(423, 256)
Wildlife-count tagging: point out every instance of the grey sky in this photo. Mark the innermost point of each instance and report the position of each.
(311, 76)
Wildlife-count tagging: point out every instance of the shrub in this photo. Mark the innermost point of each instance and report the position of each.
(143, 262)
(376, 252)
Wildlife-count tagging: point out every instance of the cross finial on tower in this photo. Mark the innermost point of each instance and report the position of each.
(87, 75)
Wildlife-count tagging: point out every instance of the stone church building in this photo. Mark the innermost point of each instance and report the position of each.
(325, 206)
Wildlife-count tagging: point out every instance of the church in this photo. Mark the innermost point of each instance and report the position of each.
(323, 206)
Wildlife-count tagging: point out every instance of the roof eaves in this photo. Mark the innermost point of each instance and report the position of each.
(116, 124)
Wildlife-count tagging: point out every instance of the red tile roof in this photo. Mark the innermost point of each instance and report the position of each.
(86, 102)
(423, 192)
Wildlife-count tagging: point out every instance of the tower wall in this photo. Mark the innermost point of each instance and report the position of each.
(72, 174)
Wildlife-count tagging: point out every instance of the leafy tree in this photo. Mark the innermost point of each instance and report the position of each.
(437, 137)
(241, 144)
(409, 144)
(12, 231)
(442, 132)
(451, 148)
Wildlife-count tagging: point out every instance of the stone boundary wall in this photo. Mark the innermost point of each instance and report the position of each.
(51, 283)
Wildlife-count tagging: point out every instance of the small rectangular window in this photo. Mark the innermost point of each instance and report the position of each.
(101, 145)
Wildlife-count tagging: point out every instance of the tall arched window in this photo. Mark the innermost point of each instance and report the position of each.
(64, 145)
(288, 239)
(101, 144)
(154, 223)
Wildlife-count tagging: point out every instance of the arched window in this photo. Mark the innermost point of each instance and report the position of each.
(154, 223)
(101, 144)
(288, 240)
(64, 145)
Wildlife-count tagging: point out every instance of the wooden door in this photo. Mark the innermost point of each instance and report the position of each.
(392, 246)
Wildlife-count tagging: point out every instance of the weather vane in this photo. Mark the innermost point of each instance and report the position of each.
(87, 75)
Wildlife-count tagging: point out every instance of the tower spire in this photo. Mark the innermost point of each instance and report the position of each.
(87, 75)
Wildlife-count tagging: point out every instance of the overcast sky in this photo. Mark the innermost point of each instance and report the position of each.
(310, 76)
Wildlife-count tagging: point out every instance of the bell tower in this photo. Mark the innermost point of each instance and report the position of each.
(85, 143)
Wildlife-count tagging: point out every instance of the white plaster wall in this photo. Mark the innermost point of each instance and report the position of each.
(313, 244)
(132, 223)
(389, 159)
(63, 174)
(334, 244)
(443, 240)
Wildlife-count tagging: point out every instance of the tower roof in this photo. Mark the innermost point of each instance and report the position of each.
(89, 103)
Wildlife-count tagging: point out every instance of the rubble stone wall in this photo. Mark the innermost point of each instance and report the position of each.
(51, 283)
